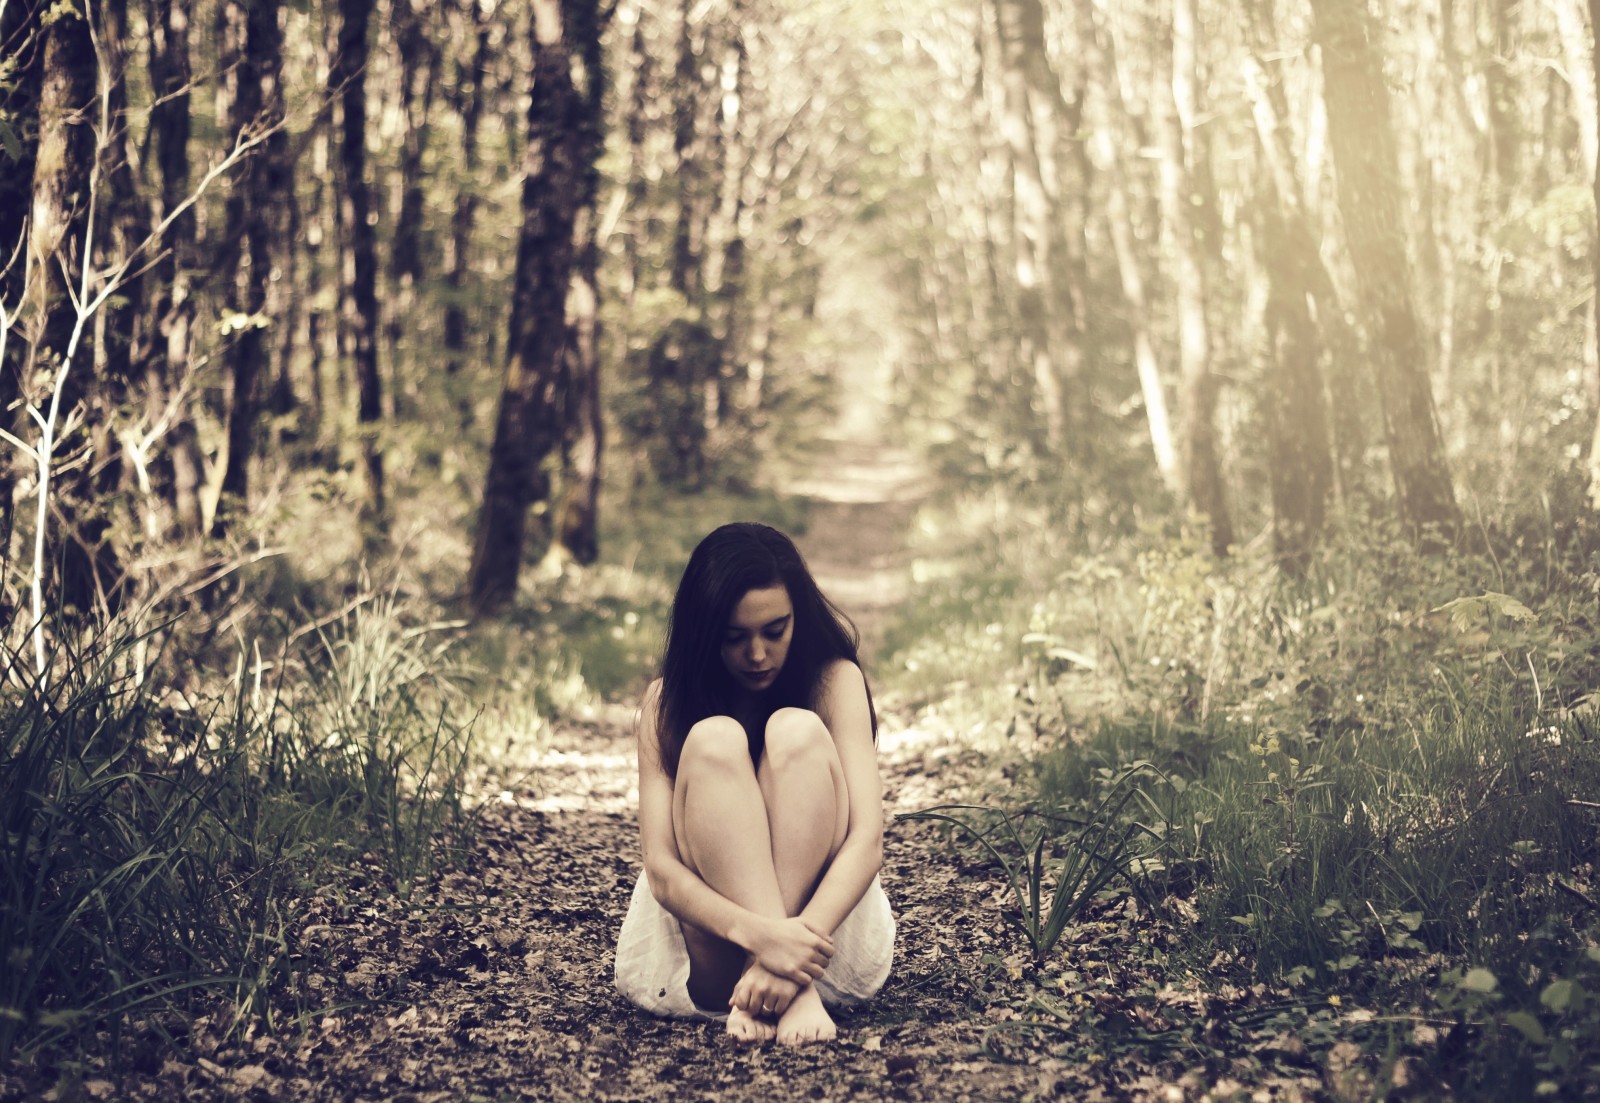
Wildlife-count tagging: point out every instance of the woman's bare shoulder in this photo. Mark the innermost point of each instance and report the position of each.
(842, 681)
(644, 721)
(842, 674)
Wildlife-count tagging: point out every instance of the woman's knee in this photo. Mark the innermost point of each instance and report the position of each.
(715, 741)
(795, 734)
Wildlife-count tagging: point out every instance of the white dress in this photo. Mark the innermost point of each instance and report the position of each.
(652, 966)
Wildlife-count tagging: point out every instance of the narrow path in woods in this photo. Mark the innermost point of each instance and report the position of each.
(494, 982)
(505, 979)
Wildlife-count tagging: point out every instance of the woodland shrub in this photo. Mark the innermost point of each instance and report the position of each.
(160, 848)
(1382, 775)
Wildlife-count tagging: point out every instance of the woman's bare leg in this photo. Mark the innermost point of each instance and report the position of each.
(762, 839)
(719, 818)
(808, 814)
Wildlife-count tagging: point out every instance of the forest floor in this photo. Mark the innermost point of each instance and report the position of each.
(493, 982)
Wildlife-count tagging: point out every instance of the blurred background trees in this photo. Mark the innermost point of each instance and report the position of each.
(467, 268)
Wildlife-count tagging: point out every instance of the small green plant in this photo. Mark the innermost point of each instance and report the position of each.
(158, 850)
(1102, 849)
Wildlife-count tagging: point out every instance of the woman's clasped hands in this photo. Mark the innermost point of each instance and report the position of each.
(789, 954)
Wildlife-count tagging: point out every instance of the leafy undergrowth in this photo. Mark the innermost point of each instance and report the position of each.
(492, 982)
(166, 850)
(1370, 810)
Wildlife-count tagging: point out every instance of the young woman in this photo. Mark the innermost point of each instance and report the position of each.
(760, 807)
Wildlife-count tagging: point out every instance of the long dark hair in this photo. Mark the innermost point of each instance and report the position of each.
(726, 565)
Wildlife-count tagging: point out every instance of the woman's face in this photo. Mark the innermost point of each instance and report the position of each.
(756, 639)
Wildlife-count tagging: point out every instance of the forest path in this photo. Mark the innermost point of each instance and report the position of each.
(855, 537)
(506, 978)
(494, 981)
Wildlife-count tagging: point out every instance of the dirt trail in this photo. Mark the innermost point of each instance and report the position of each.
(521, 1005)
(495, 984)
(855, 539)
(498, 986)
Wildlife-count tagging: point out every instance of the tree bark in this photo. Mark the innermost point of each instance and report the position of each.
(468, 103)
(256, 210)
(359, 240)
(1186, 196)
(59, 247)
(1367, 168)
(565, 138)
(177, 471)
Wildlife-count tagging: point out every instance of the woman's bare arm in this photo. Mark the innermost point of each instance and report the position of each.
(844, 709)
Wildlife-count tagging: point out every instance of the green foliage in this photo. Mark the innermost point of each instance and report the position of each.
(1101, 850)
(1380, 773)
(159, 847)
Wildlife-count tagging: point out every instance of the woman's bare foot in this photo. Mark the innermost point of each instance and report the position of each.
(806, 1020)
(747, 1028)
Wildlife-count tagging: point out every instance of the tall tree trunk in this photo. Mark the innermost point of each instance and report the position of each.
(1594, 444)
(641, 90)
(1186, 198)
(728, 225)
(1577, 51)
(120, 340)
(1367, 167)
(565, 138)
(1107, 126)
(419, 78)
(256, 221)
(324, 313)
(578, 525)
(177, 471)
(688, 89)
(60, 245)
(21, 41)
(359, 240)
(468, 93)
(285, 303)
(1295, 412)
(1030, 125)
